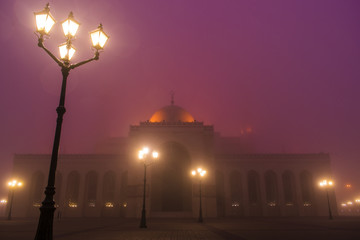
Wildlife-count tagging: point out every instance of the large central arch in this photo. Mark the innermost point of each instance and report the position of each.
(170, 180)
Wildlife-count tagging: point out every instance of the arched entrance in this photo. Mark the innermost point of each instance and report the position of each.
(171, 182)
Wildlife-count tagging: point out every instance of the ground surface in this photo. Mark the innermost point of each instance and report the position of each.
(173, 229)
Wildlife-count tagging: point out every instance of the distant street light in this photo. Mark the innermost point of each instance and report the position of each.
(44, 23)
(147, 160)
(200, 173)
(12, 186)
(327, 184)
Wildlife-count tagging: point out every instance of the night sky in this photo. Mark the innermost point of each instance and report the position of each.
(288, 69)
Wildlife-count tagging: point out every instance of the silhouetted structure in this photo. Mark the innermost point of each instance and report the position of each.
(238, 182)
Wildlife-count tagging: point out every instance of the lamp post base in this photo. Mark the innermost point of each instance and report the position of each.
(143, 220)
(328, 199)
(45, 225)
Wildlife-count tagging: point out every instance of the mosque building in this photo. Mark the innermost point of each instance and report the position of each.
(238, 181)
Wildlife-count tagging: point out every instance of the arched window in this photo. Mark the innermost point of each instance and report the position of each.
(123, 190)
(289, 188)
(72, 189)
(220, 194)
(253, 187)
(306, 184)
(109, 189)
(91, 181)
(37, 188)
(235, 189)
(271, 188)
(58, 188)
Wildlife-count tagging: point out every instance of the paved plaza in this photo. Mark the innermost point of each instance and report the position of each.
(173, 229)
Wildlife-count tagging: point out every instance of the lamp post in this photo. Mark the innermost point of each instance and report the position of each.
(12, 185)
(44, 23)
(147, 160)
(200, 173)
(3, 206)
(327, 184)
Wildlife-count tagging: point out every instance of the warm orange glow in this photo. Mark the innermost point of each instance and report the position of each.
(200, 172)
(348, 186)
(143, 154)
(325, 183)
(15, 183)
(145, 150)
(171, 113)
(248, 129)
(73, 204)
(155, 154)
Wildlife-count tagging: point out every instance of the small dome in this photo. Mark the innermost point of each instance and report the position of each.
(171, 113)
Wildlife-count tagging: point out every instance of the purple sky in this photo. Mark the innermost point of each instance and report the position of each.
(288, 69)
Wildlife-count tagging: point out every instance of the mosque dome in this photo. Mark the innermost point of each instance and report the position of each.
(171, 113)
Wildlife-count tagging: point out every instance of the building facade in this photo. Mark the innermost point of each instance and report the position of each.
(239, 181)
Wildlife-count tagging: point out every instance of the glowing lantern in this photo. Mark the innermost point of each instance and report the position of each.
(15, 183)
(325, 183)
(44, 21)
(99, 38)
(155, 154)
(66, 51)
(70, 26)
(199, 172)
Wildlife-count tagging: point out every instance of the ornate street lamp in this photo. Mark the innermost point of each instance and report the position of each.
(327, 184)
(147, 159)
(99, 38)
(70, 26)
(12, 185)
(44, 23)
(200, 173)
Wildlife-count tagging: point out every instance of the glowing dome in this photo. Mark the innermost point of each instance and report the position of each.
(171, 113)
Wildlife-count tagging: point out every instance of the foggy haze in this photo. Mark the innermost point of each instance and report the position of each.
(289, 70)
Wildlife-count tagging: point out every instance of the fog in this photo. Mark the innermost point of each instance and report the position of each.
(286, 69)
